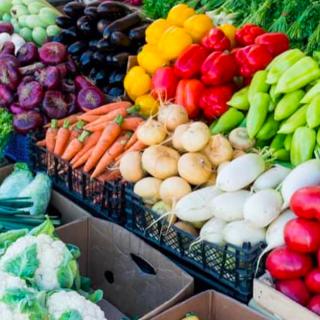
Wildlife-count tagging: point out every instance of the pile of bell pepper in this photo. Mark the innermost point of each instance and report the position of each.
(283, 108)
(190, 62)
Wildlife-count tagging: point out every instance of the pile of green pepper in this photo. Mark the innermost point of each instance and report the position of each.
(283, 108)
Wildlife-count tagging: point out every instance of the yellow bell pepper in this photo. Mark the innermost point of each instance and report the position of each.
(151, 59)
(137, 82)
(198, 26)
(179, 14)
(191, 316)
(148, 105)
(155, 30)
(173, 42)
(230, 31)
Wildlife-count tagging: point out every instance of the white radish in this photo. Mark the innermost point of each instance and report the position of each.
(263, 207)
(148, 189)
(240, 172)
(172, 115)
(271, 179)
(177, 137)
(187, 227)
(151, 132)
(239, 232)
(229, 206)
(194, 207)
(195, 137)
(306, 174)
(212, 231)
(222, 165)
(131, 167)
(173, 189)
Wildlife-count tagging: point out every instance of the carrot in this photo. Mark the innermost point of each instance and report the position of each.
(137, 146)
(132, 145)
(109, 176)
(72, 119)
(75, 146)
(131, 141)
(62, 139)
(83, 158)
(41, 143)
(108, 136)
(109, 107)
(97, 127)
(106, 118)
(88, 117)
(88, 144)
(51, 135)
(132, 123)
(76, 130)
(115, 150)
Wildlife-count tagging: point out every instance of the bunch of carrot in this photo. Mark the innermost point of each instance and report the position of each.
(96, 139)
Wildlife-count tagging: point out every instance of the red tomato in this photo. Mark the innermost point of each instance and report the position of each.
(305, 203)
(285, 264)
(295, 289)
(313, 281)
(314, 304)
(302, 235)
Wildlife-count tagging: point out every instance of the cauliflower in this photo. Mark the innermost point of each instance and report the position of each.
(41, 258)
(70, 304)
(17, 301)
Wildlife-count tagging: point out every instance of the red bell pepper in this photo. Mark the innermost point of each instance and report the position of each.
(247, 34)
(214, 100)
(164, 83)
(188, 95)
(276, 42)
(216, 40)
(252, 58)
(219, 68)
(188, 65)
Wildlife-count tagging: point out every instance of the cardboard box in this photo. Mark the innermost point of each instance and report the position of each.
(137, 280)
(278, 304)
(69, 210)
(211, 305)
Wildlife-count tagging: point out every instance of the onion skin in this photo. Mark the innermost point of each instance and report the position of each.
(294, 289)
(15, 108)
(52, 53)
(6, 96)
(285, 264)
(27, 121)
(28, 54)
(90, 98)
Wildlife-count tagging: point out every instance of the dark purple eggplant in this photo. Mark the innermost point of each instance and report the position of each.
(102, 24)
(27, 121)
(54, 105)
(116, 78)
(115, 92)
(122, 24)
(86, 60)
(94, 4)
(93, 43)
(113, 9)
(86, 26)
(98, 58)
(105, 46)
(91, 12)
(120, 59)
(64, 22)
(119, 39)
(6, 96)
(74, 9)
(67, 36)
(28, 53)
(77, 47)
(138, 33)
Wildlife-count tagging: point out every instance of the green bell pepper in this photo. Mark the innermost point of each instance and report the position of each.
(288, 105)
(299, 75)
(302, 146)
(282, 155)
(297, 120)
(278, 142)
(274, 97)
(257, 113)
(311, 93)
(258, 84)
(240, 99)
(269, 129)
(313, 113)
(228, 121)
(318, 137)
(288, 141)
(281, 63)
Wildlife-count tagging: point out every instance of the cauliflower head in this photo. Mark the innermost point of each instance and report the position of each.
(64, 305)
(41, 259)
(8, 313)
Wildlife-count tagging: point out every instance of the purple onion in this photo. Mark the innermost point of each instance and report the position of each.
(68, 86)
(49, 78)
(30, 95)
(54, 105)
(8, 48)
(31, 69)
(82, 82)
(9, 76)
(6, 58)
(72, 103)
(6, 27)
(6, 96)
(15, 108)
(52, 53)
(27, 121)
(28, 54)
(90, 98)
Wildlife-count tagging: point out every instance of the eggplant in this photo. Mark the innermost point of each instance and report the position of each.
(74, 9)
(105, 46)
(86, 60)
(109, 9)
(94, 4)
(86, 26)
(116, 78)
(82, 20)
(119, 39)
(98, 58)
(102, 24)
(67, 36)
(120, 59)
(64, 22)
(27, 121)
(138, 33)
(99, 77)
(93, 43)
(91, 12)
(115, 92)
(77, 48)
(122, 24)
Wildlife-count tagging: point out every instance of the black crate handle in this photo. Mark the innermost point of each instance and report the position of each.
(143, 265)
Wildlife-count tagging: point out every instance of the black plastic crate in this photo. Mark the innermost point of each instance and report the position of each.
(233, 267)
(101, 199)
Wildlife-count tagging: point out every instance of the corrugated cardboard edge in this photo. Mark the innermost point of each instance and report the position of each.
(277, 303)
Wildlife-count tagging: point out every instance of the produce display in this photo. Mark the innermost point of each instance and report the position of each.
(33, 20)
(96, 139)
(37, 85)
(40, 278)
(100, 38)
(6, 129)
(24, 199)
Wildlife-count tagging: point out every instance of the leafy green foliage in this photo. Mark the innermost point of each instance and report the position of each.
(71, 315)
(6, 128)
